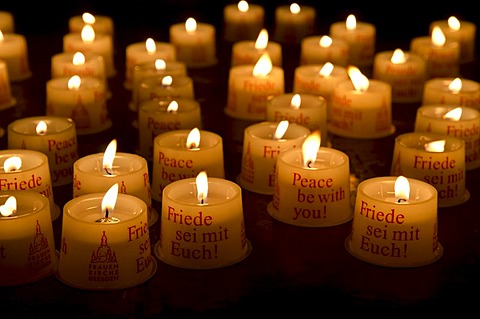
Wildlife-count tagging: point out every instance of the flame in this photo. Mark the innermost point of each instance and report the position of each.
(438, 38)
(242, 6)
(454, 114)
(12, 164)
(453, 23)
(326, 69)
(109, 200)
(88, 34)
(455, 86)
(1, 36)
(41, 128)
(202, 187)
(88, 18)
(435, 146)
(193, 139)
(325, 41)
(398, 57)
(296, 101)
(167, 80)
(280, 130)
(109, 156)
(263, 66)
(172, 107)
(294, 8)
(78, 58)
(310, 148)
(360, 81)
(351, 22)
(191, 25)
(74, 82)
(160, 64)
(262, 40)
(10, 206)
(402, 189)
(150, 46)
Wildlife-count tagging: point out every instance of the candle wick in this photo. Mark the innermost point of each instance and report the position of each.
(107, 171)
(309, 164)
(192, 146)
(106, 212)
(401, 200)
(201, 201)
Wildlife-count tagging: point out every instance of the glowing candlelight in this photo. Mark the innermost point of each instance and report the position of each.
(12, 164)
(202, 187)
(108, 204)
(398, 57)
(435, 146)
(172, 107)
(455, 86)
(280, 130)
(88, 34)
(454, 114)
(262, 40)
(193, 139)
(296, 101)
(359, 81)
(263, 67)
(41, 128)
(109, 156)
(310, 149)
(402, 189)
(10, 206)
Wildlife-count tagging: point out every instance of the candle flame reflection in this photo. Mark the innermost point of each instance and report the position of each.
(360, 81)
(402, 189)
(150, 46)
(296, 101)
(263, 66)
(435, 146)
(310, 148)
(41, 128)
(193, 139)
(172, 107)
(453, 23)
(455, 86)
(454, 114)
(10, 206)
(191, 25)
(12, 164)
(262, 40)
(438, 38)
(109, 156)
(398, 57)
(78, 58)
(109, 201)
(280, 130)
(202, 187)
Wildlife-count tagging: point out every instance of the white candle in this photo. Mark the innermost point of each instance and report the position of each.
(208, 235)
(248, 52)
(28, 247)
(57, 139)
(14, 51)
(7, 22)
(452, 91)
(6, 98)
(100, 23)
(390, 233)
(294, 22)
(322, 48)
(443, 168)
(242, 21)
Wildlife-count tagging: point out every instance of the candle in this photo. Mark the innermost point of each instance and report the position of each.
(162, 115)
(452, 91)
(56, 137)
(441, 165)
(13, 50)
(26, 237)
(461, 122)
(6, 98)
(250, 87)
(248, 52)
(405, 71)
(105, 242)
(361, 39)
(141, 52)
(309, 110)
(442, 56)
(100, 23)
(195, 43)
(322, 49)
(80, 98)
(95, 173)
(312, 186)
(202, 224)
(242, 21)
(89, 42)
(393, 233)
(461, 31)
(294, 22)
(262, 143)
(27, 170)
(181, 154)
(361, 108)
(7, 22)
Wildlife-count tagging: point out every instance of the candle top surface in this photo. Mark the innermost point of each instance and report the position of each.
(177, 140)
(123, 164)
(28, 126)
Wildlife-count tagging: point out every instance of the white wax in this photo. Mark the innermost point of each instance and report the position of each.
(14, 51)
(312, 53)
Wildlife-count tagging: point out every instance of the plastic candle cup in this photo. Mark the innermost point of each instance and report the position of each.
(393, 231)
(436, 159)
(56, 137)
(14, 51)
(322, 49)
(294, 22)
(452, 91)
(202, 233)
(262, 144)
(312, 186)
(461, 122)
(26, 237)
(242, 21)
(248, 52)
(6, 98)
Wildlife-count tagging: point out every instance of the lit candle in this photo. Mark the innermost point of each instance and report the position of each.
(312, 186)
(103, 231)
(405, 71)
(395, 223)
(141, 52)
(80, 98)
(13, 50)
(242, 21)
(452, 91)
(100, 23)
(308, 110)
(95, 173)
(463, 32)
(6, 98)
(461, 122)
(27, 170)
(442, 56)
(89, 42)
(294, 22)
(361, 108)
(262, 144)
(248, 52)
(202, 225)
(181, 154)
(195, 43)
(162, 115)
(56, 137)
(436, 159)
(26, 236)
(250, 87)
(7, 22)
(322, 49)
(361, 39)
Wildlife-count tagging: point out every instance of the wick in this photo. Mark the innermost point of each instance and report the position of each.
(106, 212)
(401, 200)
(201, 201)
(309, 164)
(192, 146)
(107, 171)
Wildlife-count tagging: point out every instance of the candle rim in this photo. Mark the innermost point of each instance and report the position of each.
(186, 105)
(25, 201)
(417, 141)
(95, 160)
(270, 127)
(176, 140)
(25, 123)
(434, 112)
(35, 156)
(296, 154)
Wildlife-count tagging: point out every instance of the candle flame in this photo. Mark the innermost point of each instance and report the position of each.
(108, 202)
(191, 25)
(167, 80)
(398, 57)
(453, 23)
(456, 85)
(109, 156)
(10, 206)
(87, 34)
(435, 146)
(360, 81)
(326, 69)
(243, 6)
(172, 107)
(160, 64)
(351, 22)
(78, 58)
(294, 8)
(74, 82)
(402, 189)
(296, 101)
(280, 130)
(12, 164)
(193, 139)
(454, 114)
(202, 187)
(263, 66)
(310, 148)
(438, 38)
(41, 128)
(262, 40)
(325, 41)
(150, 46)
(1, 36)
(88, 18)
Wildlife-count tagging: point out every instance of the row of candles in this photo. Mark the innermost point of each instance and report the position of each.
(195, 233)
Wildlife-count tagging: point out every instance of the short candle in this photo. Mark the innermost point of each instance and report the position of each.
(294, 22)
(452, 91)
(100, 23)
(14, 51)
(320, 49)
(6, 98)
(248, 52)
(242, 21)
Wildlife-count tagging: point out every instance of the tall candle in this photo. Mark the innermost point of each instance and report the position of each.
(320, 49)
(248, 52)
(6, 98)
(100, 23)
(294, 22)
(452, 91)
(242, 21)
(7, 22)
(14, 51)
